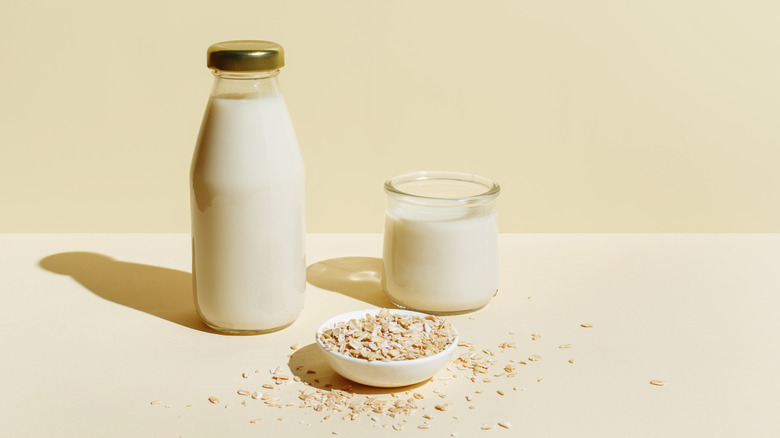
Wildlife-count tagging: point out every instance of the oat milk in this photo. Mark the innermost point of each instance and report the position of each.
(438, 257)
(247, 186)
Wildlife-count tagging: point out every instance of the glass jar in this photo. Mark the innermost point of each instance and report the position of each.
(441, 242)
(247, 188)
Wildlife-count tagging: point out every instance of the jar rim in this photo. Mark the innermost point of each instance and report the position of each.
(491, 188)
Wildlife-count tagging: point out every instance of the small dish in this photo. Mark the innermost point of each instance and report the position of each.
(379, 373)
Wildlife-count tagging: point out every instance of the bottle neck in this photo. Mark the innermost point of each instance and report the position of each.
(234, 85)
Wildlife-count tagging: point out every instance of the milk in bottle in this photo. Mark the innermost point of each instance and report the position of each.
(247, 184)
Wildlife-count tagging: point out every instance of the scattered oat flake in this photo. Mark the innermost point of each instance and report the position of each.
(399, 406)
(156, 402)
(535, 337)
(488, 426)
(245, 375)
(535, 358)
(586, 325)
(256, 421)
(571, 360)
(657, 382)
(505, 424)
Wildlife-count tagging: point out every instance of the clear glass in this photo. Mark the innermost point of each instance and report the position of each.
(245, 84)
(247, 184)
(441, 242)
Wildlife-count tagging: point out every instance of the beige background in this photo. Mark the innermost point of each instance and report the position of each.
(616, 116)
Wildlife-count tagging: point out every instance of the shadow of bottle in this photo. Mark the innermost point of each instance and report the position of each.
(355, 277)
(162, 292)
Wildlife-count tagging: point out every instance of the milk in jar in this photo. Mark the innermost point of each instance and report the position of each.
(247, 185)
(440, 250)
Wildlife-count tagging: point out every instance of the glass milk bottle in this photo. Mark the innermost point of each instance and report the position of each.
(247, 185)
(441, 242)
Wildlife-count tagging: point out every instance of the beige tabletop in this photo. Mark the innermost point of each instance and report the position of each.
(100, 338)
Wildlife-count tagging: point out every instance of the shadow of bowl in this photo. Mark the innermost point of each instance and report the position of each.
(308, 364)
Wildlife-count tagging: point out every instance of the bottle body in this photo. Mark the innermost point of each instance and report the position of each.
(440, 251)
(247, 203)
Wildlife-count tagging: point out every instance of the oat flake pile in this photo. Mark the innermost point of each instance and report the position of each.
(389, 337)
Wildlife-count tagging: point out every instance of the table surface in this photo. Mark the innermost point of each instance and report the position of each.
(101, 339)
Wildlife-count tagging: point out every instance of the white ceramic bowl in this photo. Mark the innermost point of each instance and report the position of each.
(378, 373)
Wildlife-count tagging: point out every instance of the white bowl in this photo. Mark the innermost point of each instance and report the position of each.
(379, 373)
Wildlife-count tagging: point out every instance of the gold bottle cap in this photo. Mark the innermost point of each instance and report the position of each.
(245, 55)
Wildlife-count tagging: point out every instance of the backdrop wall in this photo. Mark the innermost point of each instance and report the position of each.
(597, 116)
